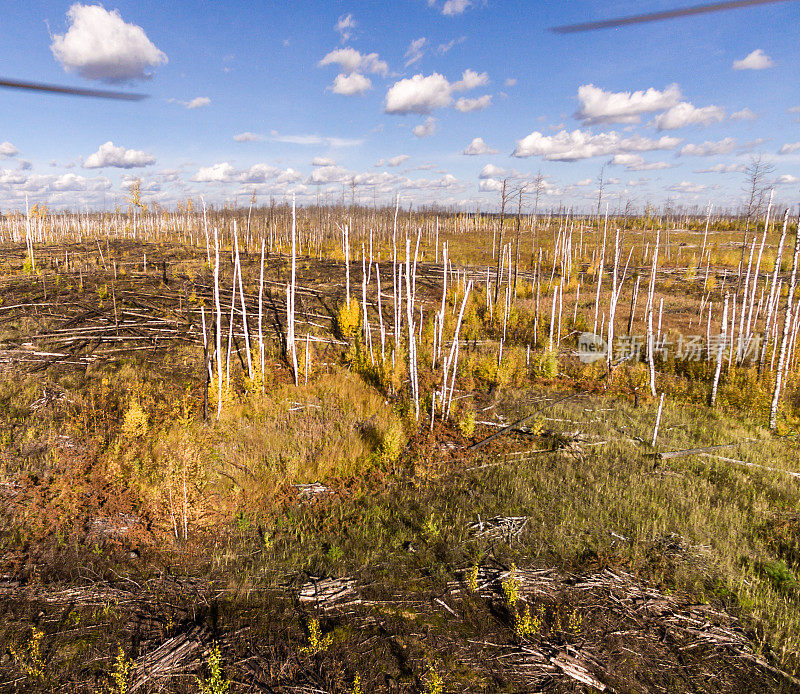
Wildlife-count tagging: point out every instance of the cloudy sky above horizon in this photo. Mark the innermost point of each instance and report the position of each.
(434, 100)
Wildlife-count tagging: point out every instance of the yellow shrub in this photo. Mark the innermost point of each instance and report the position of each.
(135, 423)
(348, 320)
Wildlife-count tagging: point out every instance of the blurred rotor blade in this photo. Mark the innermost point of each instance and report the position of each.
(658, 16)
(74, 91)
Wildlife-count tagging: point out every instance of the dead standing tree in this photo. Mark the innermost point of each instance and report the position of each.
(756, 185)
(503, 200)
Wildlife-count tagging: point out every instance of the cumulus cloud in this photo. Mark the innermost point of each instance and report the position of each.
(329, 174)
(491, 171)
(100, 45)
(466, 105)
(257, 173)
(709, 149)
(117, 157)
(394, 161)
(470, 80)
(423, 94)
(425, 129)
(73, 182)
(216, 173)
(248, 137)
(415, 51)
(635, 162)
(290, 175)
(345, 26)
(786, 179)
(723, 168)
(578, 144)
(687, 187)
(683, 114)
(510, 81)
(599, 106)
(323, 161)
(350, 85)
(789, 148)
(7, 150)
(744, 114)
(419, 94)
(490, 185)
(224, 172)
(315, 140)
(757, 60)
(452, 8)
(478, 146)
(351, 60)
(198, 102)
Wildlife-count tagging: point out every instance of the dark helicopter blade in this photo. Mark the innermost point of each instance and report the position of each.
(74, 91)
(658, 16)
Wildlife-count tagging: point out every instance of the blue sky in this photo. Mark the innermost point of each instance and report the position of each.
(672, 109)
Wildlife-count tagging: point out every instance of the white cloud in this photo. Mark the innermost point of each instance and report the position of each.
(445, 47)
(258, 173)
(491, 171)
(709, 149)
(7, 150)
(345, 26)
(789, 148)
(329, 174)
(198, 102)
(786, 179)
(599, 106)
(315, 140)
(455, 7)
(687, 187)
(290, 175)
(578, 144)
(415, 51)
(445, 182)
(350, 85)
(466, 105)
(490, 185)
(224, 172)
(421, 94)
(478, 146)
(757, 60)
(635, 162)
(217, 173)
(510, 81)
(744, 114)
(425, 129)
(683, 114)
(395, 161)
(323, 161)
(24, 165)
(418, 94)
(350, 60)
(248, 137)
(118, 157)
(584, 182)
(100, 45)
(470, 80)
(72, 182)
(723, 168)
